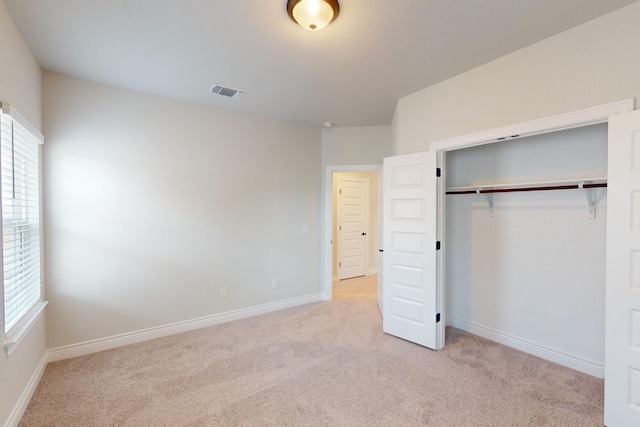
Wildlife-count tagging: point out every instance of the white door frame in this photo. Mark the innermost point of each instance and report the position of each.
(326, 252)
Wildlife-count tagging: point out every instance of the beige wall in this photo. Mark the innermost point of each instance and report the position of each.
(366, 145)
(593, 64)
(19, 72)
(372, 248)
(153, 205)
(20, 87)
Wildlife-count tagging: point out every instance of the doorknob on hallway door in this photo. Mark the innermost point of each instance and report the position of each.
(364, 234)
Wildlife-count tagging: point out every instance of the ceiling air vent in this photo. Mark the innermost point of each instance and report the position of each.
(228, 92)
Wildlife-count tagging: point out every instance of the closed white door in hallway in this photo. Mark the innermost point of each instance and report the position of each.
(353, 226)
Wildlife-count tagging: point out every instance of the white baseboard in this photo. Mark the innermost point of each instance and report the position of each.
(94, 346)
(27, 393)
(568, 360)
(372, 271)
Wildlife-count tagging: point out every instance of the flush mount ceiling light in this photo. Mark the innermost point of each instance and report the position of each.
(313, 15)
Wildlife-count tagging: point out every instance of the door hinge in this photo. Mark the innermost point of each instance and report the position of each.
(438, 318)
(340, 228)
(438, 245)
(341, 191)
(339, 264)
(438, 172)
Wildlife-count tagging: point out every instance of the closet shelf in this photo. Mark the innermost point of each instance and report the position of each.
(530, 186)
(587, 184)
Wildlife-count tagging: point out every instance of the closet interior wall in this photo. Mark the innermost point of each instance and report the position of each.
(535, 271)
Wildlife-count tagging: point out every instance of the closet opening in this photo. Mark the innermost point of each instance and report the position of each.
(525, 251)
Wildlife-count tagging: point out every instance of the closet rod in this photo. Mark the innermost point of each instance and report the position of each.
(480, 190)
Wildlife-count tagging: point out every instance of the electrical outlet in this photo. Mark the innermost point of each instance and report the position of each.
(275, 283)
(223, 292)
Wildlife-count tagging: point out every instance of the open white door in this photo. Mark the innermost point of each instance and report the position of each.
(622, 343)
(410, 288)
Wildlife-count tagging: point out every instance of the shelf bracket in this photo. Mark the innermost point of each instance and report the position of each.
(489, 197)
(591, 199)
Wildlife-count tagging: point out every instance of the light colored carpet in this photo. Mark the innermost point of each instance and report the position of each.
(323, 364)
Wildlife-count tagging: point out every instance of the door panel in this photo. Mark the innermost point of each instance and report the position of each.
(410, 303)
(353, 209)
(622, 342)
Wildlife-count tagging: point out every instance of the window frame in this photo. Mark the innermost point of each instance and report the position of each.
(27, 320)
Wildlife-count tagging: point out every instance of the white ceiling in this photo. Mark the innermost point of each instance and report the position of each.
(351, 73)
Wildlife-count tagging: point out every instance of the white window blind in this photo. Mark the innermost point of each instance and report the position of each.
(19, 166)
